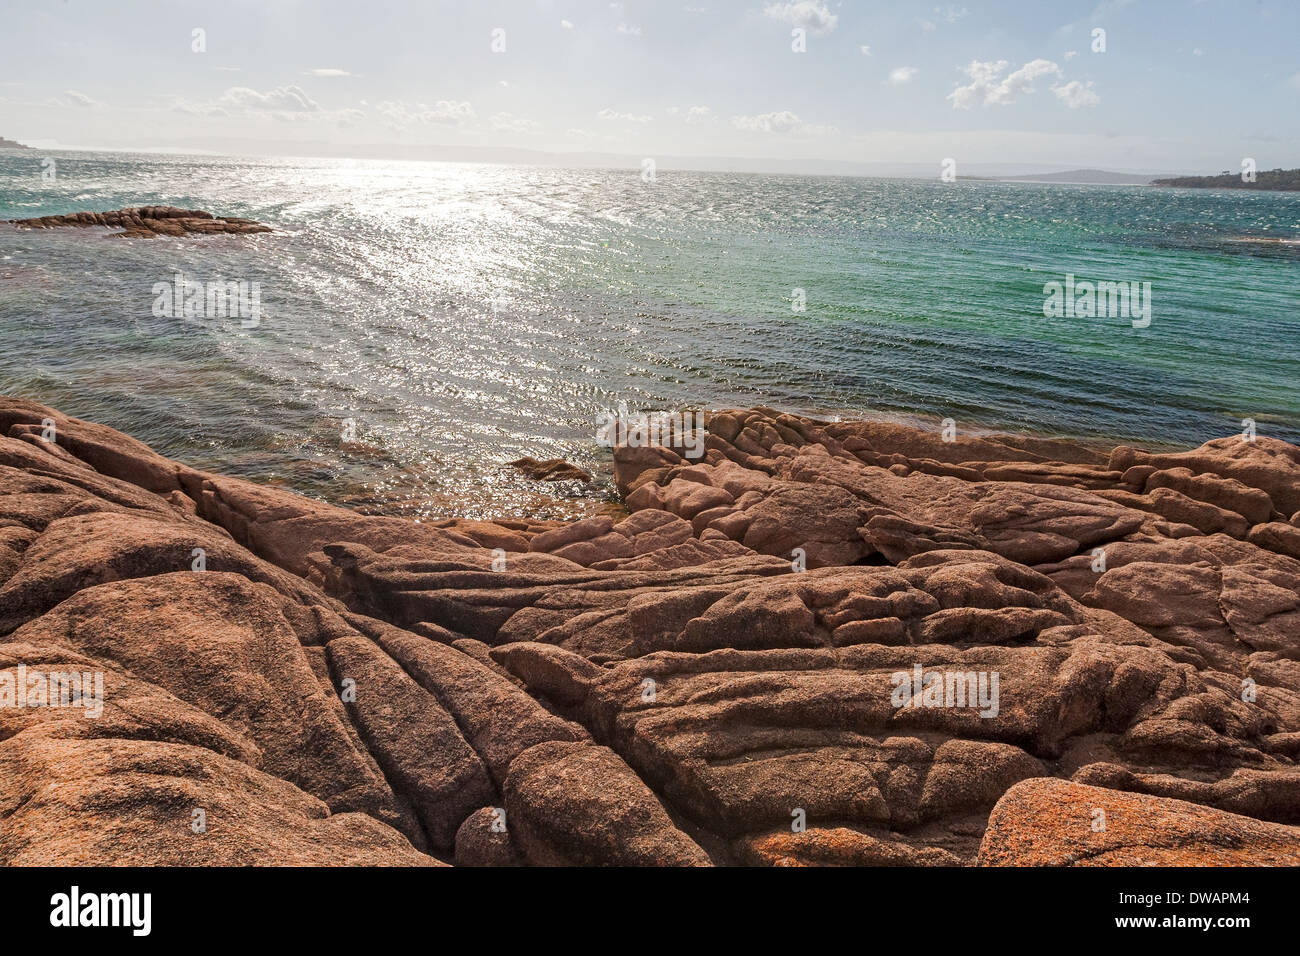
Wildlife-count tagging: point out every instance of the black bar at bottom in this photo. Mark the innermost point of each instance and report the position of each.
(354, 907)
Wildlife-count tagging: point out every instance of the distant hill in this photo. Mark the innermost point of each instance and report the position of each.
(10, 144)
(1276, 179)
(1094, 177)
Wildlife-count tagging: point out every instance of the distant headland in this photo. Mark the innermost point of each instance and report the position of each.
(1273, 179)
(11, 144)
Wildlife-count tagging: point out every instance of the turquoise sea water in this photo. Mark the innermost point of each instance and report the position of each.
(465, 315)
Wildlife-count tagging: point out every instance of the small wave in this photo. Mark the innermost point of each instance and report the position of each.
(1277, 240)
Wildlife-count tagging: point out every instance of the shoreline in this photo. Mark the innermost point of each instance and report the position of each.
(601, 495)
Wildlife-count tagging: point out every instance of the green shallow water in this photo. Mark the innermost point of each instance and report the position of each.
(466, 315)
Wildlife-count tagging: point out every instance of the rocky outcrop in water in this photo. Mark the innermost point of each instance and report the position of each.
(147, 222)
(550, 469)
(815, 644)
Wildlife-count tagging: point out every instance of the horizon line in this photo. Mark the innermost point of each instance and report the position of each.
(499, 156)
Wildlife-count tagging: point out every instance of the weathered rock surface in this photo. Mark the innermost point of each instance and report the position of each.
(146, 222)
(550, 469)
(1048, 822)
(847, 643)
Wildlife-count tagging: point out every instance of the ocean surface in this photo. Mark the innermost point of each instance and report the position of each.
(460, 316)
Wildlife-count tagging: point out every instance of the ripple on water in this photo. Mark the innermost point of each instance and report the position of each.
(464, 316)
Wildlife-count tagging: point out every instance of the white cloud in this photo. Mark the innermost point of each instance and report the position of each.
(442, 113)
(1075, 94)
(865, 50)
(608, 114)
(508, 122)
(75, 98)
(948, 14)
(631, 31)
(1295, 80)
(566, 24)
(328, 71)
(988, 87)
(282, 99)
(780, 123)
(903, 75)
(181, 105)
(345, 117)
(813, 15)
(1071, 54)
(286, 104)
(693, 114)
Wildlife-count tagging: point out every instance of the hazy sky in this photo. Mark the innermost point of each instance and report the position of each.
(1182, 84)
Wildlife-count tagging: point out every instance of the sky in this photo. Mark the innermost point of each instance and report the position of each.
(1171, 85)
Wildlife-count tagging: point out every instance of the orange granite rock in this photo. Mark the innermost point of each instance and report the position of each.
(1047, 822)
(896, 640)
